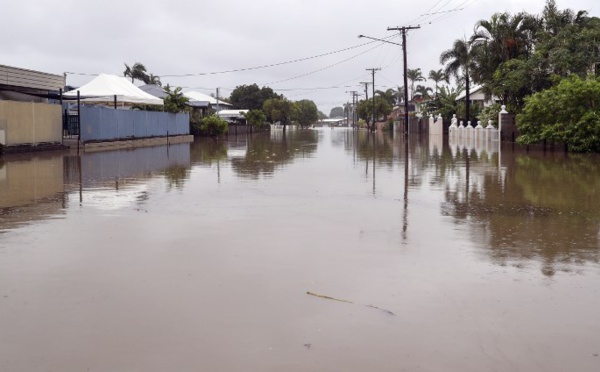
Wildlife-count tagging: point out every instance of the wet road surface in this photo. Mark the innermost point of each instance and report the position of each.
(199, 257)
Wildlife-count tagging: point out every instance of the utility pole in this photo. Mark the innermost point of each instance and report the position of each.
(353, 92)
(373, 86)
(403, 30)
(217, 99)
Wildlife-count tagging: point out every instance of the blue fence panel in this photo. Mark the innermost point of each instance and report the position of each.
(140, 125)
(182, 124)
(102, 124)
(126, 120)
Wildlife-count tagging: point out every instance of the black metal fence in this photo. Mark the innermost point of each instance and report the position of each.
(70, 125)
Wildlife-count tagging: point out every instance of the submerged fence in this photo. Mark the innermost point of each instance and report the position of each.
(105, 124)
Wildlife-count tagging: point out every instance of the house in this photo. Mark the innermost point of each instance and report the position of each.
(216, 105)
(477, 97)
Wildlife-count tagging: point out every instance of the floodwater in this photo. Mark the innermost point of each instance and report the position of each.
(424, 256)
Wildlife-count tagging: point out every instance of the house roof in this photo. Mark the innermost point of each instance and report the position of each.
(104, 87)
(155, 90)
(198, 96)
(473, 89)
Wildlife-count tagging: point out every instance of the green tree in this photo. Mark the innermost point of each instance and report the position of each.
(279, 110)
(322, 115)
(136, 72)
(153, 80)
(251, 97)
(446, 103)
(437, 77)
(307, 112)
(460, 63)
(365, 110)
(175, 101)
(256, 119)
(567, 113)
(212, 126)
(389, 95)
(423, 91)
(414, 75)
(336, 112)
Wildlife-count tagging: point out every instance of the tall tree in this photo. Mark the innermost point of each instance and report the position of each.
(153, 80)
(136, 72)
(306, 112)
(336, 112)
(251, 97)
(460, 63)
(389, 95)
(438, 76)
(423, 91)
(279, 110)
(414, 75)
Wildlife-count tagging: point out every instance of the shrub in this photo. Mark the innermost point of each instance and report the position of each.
(567, 113)
(212, 126)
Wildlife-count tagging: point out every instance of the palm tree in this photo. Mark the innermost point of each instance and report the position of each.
(389, 95)
(437, 76)
(460, 63)
(423, 91)
(414, 75)
(137, 71)
(153, 80)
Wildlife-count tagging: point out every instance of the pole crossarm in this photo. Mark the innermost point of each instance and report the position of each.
(374, 38)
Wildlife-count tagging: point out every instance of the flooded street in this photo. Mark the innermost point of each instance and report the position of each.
(199, 257)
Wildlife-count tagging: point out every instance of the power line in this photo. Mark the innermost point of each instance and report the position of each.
(324, 68)
(267, 65)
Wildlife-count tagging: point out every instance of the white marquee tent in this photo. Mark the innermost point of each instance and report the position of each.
(104, 87)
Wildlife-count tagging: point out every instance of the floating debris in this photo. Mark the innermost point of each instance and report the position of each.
(350, 302)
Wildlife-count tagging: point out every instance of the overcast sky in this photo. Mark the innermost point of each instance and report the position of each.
(198, 37)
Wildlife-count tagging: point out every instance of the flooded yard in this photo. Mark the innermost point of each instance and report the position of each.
(311, 250)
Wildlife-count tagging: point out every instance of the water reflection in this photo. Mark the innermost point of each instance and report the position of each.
(31, 188)
(266, 153)
(527, 207)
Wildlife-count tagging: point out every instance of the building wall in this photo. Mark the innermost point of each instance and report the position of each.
(19, 77)
(30, 123)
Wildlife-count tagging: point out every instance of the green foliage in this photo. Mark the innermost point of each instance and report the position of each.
(337, 112)
(175, 101)
(322, 115)
(306, 112)
(438, 76)
(148, 107)
(414, 75)
(568, 113)
(256, 118)
(279, 110)
(212, 126)
(490, 113)
(446, 103)
(138, 72)
(365, 109)
(251, 97)
(517, 55)
(390, 95)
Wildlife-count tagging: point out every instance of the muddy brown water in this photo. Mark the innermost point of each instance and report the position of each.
(199, 257)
